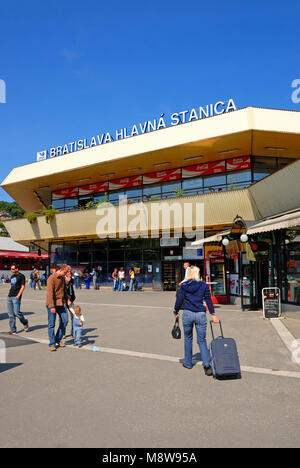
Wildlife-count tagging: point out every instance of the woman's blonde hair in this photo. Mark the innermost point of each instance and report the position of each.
(193, 273)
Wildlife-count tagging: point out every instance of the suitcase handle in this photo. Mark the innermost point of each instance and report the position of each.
(212, 332)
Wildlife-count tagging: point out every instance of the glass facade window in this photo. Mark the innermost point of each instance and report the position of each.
(70, 254)
(237, 180)
(282, 162)
(71, 204)
(115, 197)
(134, 194)
(171, 188)
(99, 197)
(58, 204)
(293, 272)
(152, 191)
(212, 183)
(195, 184)
(82, 202)
(263, 167)
(116, 255)
(56, 254)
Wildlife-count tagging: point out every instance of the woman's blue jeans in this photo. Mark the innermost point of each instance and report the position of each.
(190, 318)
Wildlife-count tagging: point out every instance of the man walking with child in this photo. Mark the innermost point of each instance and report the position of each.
(56, 306)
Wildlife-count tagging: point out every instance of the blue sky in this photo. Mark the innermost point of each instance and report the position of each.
(74, 69)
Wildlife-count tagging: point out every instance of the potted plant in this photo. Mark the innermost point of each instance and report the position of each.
(49, 213)
(31, 217)
(179, 193)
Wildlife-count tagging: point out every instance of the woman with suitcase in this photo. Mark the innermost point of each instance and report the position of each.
(191, 295)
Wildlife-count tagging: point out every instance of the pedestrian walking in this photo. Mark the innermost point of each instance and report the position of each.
(32, 278)
(76, 279)
(192, 293)
(94, 278)
(70, 294)
(115, 278)
(55, 304)
(37, 280)
(98, 278)
(186, 267)
(17, 282)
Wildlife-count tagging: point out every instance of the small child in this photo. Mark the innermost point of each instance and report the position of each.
(78, 320)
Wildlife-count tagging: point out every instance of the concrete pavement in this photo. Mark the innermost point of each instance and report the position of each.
(134, 392)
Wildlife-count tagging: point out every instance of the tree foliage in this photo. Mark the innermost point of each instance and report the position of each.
(12, 208)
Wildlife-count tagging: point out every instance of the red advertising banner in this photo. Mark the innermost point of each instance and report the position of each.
(93, 188)
(125, 182)
(162, 176)
(65, 193)
(238, 164)
(11, 254)
(203, 169)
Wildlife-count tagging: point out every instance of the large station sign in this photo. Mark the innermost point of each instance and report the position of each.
(164, 121)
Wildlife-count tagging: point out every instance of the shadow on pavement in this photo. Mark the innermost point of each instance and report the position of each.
(12, 341)
(11, 365)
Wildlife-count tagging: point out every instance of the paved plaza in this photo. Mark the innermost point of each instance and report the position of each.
(133, 391)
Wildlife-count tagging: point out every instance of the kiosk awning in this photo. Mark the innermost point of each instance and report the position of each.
(216, 238)
(283, 221)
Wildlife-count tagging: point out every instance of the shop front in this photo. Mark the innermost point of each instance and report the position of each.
(158, 263)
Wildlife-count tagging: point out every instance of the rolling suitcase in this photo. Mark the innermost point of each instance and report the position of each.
(225, 361)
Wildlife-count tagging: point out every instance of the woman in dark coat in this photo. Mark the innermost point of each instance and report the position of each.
(191, 295)
(70, 293)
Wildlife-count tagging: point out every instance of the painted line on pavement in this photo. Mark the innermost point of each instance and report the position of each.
(161, 357)
(142, 306)
(285, 335)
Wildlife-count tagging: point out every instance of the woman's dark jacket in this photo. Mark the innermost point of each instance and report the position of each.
(191, 295)
(70, 293)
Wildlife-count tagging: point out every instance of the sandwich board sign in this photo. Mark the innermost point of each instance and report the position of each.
(271, 303)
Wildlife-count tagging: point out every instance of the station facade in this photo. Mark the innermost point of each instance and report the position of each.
(245, 162)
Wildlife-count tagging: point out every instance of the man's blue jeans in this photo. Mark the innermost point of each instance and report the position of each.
(13, 309)
(63, 320)
(190, 318)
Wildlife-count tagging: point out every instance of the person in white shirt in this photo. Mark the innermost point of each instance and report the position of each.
(186, 266)
(121, 277)
(78, 321)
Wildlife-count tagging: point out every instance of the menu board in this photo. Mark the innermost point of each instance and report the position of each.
(271, 302)
(204, 169)
(162, 176)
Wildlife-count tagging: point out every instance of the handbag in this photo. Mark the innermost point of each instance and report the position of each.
(176, 332)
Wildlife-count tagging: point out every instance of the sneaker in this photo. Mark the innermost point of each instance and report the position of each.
(26, 328)
(186, 367)
(61, 344)
(208, 371)
(52, 348)
(12, 333)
